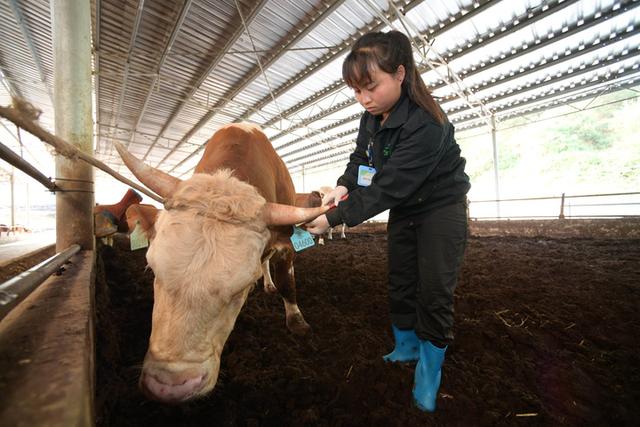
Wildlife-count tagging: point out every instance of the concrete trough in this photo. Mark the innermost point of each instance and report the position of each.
(47, 351)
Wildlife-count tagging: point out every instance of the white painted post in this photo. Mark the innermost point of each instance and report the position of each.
(495, 163)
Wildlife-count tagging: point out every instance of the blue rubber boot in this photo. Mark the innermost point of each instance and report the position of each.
(407, 344)
(427, 378)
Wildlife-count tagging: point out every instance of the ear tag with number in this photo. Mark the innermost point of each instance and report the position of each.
(301, 239)
(137, 238)
(365, 175)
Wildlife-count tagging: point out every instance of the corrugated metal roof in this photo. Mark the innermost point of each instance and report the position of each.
(169, 73)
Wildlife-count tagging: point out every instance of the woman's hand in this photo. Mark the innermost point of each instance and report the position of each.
(335, 195)
(318, 226)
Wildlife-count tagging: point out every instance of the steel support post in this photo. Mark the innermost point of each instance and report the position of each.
(71, 22)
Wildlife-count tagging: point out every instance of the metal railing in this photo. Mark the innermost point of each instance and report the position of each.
(616, 205)
(19, 287)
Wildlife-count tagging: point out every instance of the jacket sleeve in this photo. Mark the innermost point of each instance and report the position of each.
(414, 158)
(349, 178)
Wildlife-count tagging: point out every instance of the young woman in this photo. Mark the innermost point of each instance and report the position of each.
(406, 160)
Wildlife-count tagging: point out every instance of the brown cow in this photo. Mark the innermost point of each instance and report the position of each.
(111, 218)
(210, 241)
(142, 214)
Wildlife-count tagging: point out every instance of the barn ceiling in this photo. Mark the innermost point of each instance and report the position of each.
(167, 74)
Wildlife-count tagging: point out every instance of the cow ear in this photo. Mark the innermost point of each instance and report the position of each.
(145, 215)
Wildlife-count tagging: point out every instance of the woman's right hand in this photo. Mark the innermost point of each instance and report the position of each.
(335, 195)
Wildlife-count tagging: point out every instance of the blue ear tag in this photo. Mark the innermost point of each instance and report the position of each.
(138, 239)
(365, 175)
(301, 239)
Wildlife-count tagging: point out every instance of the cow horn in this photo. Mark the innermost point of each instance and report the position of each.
(278, 214)
(160, 182)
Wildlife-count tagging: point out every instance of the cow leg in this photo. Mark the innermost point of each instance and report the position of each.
(285, 281)
(342, 235)
(269, 286)
(321, 240)
(330, 233)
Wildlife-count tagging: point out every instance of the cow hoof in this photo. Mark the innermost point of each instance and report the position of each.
(270, 288)
(297, 325)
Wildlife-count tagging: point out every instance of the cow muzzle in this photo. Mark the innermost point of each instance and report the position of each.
(174, 387)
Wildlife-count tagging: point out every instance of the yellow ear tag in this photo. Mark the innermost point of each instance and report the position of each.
(137, 238)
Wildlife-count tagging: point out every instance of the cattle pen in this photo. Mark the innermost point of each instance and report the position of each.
(218, 125)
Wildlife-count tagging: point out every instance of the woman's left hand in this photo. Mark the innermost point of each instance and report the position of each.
(318, 226)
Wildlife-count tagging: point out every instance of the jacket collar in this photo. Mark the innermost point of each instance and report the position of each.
(399, 116)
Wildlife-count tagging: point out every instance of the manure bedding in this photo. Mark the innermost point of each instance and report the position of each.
(546, 334)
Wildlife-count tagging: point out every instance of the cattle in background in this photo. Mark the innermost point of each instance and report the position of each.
(109, 219)
(13, 229)
(144, 215)
(210, 242)
(322, 191)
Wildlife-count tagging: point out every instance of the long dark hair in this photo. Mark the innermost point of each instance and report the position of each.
(388, 51)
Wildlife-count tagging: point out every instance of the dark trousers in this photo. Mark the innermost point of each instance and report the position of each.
(425, 255)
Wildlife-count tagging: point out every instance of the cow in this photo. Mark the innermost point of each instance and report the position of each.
(322, 191)
(210, 241)
(143, 215)
(111, 218)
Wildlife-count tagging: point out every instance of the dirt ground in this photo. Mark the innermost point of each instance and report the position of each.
(12, 268)
(546, 334)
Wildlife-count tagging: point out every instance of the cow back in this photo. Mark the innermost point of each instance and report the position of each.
(245, 149)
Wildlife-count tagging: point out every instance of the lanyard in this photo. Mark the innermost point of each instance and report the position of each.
(370, 152)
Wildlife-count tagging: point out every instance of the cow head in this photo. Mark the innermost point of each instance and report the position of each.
(206, 256)
(144, 216)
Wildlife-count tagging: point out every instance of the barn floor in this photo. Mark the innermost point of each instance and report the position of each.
(546, 334)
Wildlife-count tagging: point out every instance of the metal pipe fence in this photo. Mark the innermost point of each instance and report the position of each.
(19, 287)
(604, 205)
(13, 159)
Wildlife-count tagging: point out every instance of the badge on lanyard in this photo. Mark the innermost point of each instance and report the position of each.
(366, 173)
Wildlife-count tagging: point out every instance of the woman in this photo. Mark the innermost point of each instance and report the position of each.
(406, 160)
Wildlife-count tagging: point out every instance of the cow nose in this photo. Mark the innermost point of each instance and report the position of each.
(156, 388)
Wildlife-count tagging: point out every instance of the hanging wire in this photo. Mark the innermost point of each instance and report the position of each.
(253, 46)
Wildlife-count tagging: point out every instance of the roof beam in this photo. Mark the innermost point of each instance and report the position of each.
(156, 73)
(96, 77)
(125, 78)
(628, 79)
(559, 76)
(514, 54)
(275, 54)
(334, 53)
(32, 49)
(339, 84)
(354, 117)
(526, 19)
(255, 10)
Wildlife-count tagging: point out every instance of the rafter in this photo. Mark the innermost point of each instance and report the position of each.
(156, 73)
(516, 52)
(255, 10)
(15, 7)
(276, 53)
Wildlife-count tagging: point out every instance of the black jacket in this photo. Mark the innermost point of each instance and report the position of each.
(418, 166)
